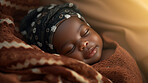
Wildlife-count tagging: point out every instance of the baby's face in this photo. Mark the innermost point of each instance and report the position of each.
(74, 38)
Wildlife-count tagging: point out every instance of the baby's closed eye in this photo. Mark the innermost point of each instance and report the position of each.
(84, 32)
(69, 49)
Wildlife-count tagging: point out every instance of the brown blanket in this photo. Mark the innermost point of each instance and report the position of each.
(119, 67)
(20, 62)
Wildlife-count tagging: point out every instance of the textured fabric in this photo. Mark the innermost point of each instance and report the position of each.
(20, 62)
(120, 67)
(125, 21)
(40, 24)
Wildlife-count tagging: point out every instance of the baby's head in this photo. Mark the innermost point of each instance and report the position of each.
(62, 29)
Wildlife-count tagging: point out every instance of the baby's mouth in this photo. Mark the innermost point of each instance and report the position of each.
(91, 52)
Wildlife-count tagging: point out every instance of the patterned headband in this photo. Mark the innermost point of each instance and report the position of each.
(39, 25)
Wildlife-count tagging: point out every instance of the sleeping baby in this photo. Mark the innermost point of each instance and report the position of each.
(63, 30)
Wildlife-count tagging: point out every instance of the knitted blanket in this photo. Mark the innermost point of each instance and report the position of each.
(120, 67)
(20, 62)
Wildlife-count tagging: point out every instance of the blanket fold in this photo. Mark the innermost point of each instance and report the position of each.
(28, 63)
(120, 67)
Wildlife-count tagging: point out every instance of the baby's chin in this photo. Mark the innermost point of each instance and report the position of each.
(96, 58)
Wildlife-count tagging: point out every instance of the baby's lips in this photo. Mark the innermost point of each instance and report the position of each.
(89, 52)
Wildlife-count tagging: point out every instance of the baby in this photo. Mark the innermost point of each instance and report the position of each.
(62, 29)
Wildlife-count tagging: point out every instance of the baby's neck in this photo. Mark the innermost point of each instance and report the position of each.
(106, 53)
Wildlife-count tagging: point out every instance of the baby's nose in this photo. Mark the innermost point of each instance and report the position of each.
(83, 45)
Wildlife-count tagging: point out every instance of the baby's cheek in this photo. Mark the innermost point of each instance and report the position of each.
(77, 55)
(94, 38)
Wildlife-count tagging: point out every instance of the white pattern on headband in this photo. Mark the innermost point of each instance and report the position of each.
(70, 4)
(67, 16)
(79, 16)
(88, 24)
(34, 30)
(30, 11)
(53, 28)
(39, 15)
(23, 32)
(51, 46)
(32, 24)
(39, 9)
(52, 6)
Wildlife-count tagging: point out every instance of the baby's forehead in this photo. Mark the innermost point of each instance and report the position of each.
(70, 24)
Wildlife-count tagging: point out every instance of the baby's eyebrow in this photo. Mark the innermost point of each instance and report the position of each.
(80, 27)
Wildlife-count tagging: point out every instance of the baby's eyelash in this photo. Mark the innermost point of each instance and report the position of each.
(86, 33)
(71, 50)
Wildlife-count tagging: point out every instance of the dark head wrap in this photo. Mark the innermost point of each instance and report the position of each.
(39, 25)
